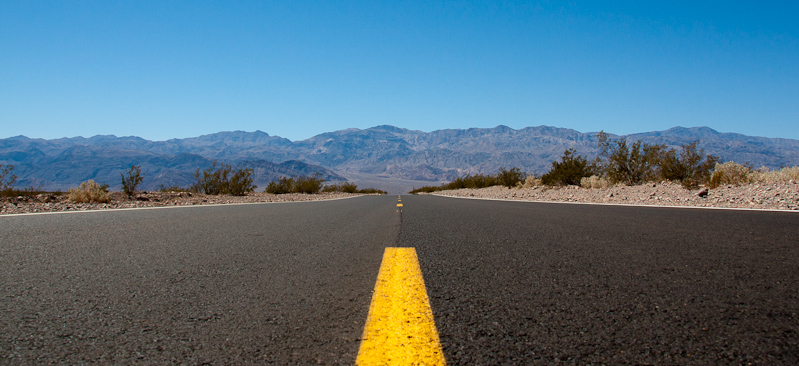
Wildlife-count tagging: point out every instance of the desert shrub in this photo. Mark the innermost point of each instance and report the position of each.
(131, 180)
(628, 163)
(303, 184)
(784, 175)
(371, 190)
(162, 188)
(213, 180)
(531, 181)
(309, 185)
(472, 181)
(507, 177)
(570, 170)
(281, 186)
(7, 179)
(594, 182)
(29, 191)
(426, 189)
(89, 191)
(221, 179)
(730, 173)
(691, 167)
(510, 178)
(241, 182)
(346, 187)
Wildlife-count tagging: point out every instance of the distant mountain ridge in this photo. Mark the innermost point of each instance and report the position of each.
(378, 155)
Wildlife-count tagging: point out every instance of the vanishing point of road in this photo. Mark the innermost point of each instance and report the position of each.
(508, 283)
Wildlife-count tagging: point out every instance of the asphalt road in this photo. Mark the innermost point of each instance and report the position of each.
(509, 283)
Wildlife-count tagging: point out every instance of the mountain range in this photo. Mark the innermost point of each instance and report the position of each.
(386, 157)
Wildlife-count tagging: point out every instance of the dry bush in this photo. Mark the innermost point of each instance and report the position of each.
(132, 180)
(784, 175)
(530, 182)
(594, 182)
(730, 173)
(89, 191)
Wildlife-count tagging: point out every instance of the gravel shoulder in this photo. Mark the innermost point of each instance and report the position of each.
(772, 196)
(54, 203)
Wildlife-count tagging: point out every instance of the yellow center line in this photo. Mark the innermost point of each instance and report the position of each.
(400, 329)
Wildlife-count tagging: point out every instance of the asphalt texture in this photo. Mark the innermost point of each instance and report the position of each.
(509, 283)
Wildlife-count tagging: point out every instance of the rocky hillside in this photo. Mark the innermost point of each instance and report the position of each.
(396, 157)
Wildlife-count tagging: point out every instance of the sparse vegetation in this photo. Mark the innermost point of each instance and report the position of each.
(510, 177)
(175, 189)
(131, 180)
(691, 167)
(506, 177)
(630, 164)
(302, 184)
(570, 170)
(89, 191)
(241, 182)
(784, 175)
(221, 179)
(7, 179)
(595, 182)
(730, 173)
(348, 187)
(531, 181)
(734, 174)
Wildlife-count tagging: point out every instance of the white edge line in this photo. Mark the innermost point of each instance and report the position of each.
(110, 209)
(621, 204)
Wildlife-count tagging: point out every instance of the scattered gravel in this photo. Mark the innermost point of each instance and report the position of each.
(53, 203)
(778, 196)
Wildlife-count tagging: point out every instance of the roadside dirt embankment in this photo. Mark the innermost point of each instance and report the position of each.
(777, 196)
(53, 203)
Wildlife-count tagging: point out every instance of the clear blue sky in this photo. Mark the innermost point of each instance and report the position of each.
(170, 69)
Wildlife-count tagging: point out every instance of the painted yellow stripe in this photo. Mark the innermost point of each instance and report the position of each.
(400, 329)
(399, 205)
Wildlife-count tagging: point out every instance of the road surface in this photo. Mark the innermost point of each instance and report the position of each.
(508, 283)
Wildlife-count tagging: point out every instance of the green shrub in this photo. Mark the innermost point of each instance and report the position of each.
(302, 184)
(309, 185)
(281, 186)
(213, 180)
(89, 191)
(371, 191)
(628, 164)
(131, 180)
(570, 170)
(690, 168)
(426, 189)
(241, 182)
(221, 179)
(507, 177)
(345, 187)
(510, 178)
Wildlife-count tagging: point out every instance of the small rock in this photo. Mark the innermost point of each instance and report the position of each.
(703, 193)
